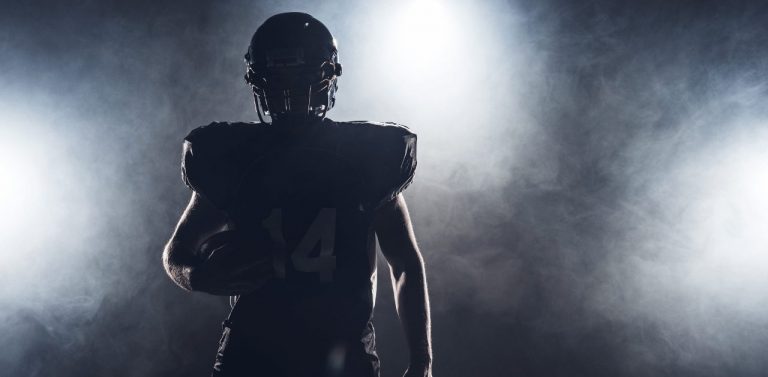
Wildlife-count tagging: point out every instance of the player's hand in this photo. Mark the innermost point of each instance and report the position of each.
(418, 371)
(231, 266)
(233, 271)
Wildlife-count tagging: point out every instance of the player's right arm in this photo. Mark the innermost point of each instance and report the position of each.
(228, 270)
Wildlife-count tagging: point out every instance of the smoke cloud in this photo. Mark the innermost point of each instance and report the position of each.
(590, 198)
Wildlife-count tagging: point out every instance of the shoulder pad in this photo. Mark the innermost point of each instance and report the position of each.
(213, 157)
(387, 158)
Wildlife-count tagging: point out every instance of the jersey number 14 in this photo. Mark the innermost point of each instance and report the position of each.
(322, 230)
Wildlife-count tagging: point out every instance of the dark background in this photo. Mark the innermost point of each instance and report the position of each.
(590, 199)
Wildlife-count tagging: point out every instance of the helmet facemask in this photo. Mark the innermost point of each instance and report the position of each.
(293, 79)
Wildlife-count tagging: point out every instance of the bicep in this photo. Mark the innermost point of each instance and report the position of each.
(395, 233)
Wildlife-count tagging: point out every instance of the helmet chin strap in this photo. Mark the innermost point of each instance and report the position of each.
(308, 115)
(258, 108)
(309, 104)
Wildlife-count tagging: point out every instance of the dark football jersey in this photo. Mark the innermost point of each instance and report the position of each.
(312, 192)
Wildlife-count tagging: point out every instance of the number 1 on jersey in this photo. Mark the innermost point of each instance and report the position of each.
(322, 230)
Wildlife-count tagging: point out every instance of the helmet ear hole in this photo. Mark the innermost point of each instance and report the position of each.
(337, 69)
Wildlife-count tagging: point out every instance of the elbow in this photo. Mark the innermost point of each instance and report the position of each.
(409, 271)
(166, 259)
(413, 265)
(179, 273)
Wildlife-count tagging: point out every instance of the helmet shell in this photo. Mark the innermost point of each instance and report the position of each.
(292, 65)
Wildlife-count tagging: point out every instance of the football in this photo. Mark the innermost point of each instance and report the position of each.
(237, 259)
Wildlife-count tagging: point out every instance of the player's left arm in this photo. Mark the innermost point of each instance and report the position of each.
(398, 245)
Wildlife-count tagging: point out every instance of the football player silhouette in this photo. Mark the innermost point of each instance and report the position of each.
(284, 216)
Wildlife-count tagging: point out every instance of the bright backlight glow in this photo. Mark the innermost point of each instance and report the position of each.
(425, 30)
(424, 38)
(29, 172)
(22, 183)
(728, 217)
(25, 218)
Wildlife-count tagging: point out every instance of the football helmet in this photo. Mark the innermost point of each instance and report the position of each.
(292, 65)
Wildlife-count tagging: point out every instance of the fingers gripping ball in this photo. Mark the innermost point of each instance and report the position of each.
(233, 263)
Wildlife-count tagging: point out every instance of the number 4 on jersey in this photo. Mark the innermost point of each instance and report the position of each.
(322, 230)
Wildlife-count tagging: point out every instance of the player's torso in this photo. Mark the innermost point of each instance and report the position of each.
(312, 192)
(303, 191)
(311, 196)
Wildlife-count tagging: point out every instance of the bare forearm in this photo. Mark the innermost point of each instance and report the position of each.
(412, 300)
(203, 253)
(228, 271)
(202, 278)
